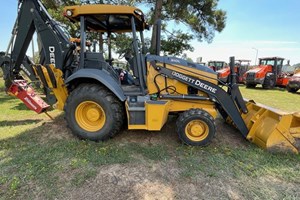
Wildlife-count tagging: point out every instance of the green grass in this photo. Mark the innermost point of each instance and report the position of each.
(278, 98)
(245, 166)
(40, 156)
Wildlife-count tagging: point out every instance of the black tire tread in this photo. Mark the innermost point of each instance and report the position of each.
(292, 90)
(189, 113)
(267, 83)
(250, 85)
(101, 91)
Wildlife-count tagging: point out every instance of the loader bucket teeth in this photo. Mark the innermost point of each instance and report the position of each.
(272, 129)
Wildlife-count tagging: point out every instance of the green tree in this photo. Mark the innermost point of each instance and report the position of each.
(202, 17)
(55, 8)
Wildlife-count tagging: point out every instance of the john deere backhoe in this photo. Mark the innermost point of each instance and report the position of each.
(96, 104)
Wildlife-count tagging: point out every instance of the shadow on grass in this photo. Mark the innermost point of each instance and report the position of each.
(2, 89)
(6, 98)
(20, 106)
(19, 122)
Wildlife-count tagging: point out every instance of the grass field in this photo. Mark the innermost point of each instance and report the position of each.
(41, 159)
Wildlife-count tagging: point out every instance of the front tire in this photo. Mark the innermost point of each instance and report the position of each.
(250, 85)
(196, 127)
(292, 90)
(269, 82)
(93, 112)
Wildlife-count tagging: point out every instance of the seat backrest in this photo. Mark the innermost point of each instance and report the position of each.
(135, 69)
(133, 66)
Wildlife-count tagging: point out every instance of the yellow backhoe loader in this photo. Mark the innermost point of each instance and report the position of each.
(83, 83)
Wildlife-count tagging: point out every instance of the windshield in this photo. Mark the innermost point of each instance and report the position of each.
(267, 62)
(270, 62)
(216, 64)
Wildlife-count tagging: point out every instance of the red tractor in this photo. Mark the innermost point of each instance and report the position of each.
(240, 68)
(269, 73)
(217, 65)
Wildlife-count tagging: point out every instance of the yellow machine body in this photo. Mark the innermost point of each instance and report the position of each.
(102, 11)
(269, 128)
(59, 89)
(180, 87)
(157, 112)
(163, 92)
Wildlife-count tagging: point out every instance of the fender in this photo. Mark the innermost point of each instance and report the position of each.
(100, 76)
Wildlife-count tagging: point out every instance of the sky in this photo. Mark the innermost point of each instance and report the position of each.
(265, 27)
(253, 28)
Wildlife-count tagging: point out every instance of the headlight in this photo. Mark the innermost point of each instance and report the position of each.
(69, 13)
(138, 12)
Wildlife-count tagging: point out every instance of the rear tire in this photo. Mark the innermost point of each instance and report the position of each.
(93, 112)
(292, 90)
(269, 82)
(196, 127)
(250, 85)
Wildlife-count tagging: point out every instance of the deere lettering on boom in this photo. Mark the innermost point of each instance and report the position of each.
(96, 105)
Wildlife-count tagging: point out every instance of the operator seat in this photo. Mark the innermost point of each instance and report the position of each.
(133, 65)
(95, 60)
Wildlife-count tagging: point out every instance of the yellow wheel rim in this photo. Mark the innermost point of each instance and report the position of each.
(90, 116)
(196, 130)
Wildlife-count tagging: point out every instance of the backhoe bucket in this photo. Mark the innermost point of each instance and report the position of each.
(272, 129)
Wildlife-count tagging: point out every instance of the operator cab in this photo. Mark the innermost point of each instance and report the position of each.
(242, 66)
(111, 20)
(217, 65)
(275, 62)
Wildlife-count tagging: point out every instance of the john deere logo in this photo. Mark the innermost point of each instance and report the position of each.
(195, 82)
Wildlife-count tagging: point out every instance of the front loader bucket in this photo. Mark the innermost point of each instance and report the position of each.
(272, 129)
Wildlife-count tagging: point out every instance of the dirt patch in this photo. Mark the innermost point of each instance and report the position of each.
(124, 182)
(157, 181)
(55, 129)
(227, 135)
(160, 181)
(166, 136)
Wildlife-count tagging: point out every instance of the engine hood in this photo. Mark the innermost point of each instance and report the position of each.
(224, 70)
(257, 69)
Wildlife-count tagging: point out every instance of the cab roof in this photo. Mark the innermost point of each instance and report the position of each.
(243, 60)
(271, 58)
(216, 61)
(107, 18)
